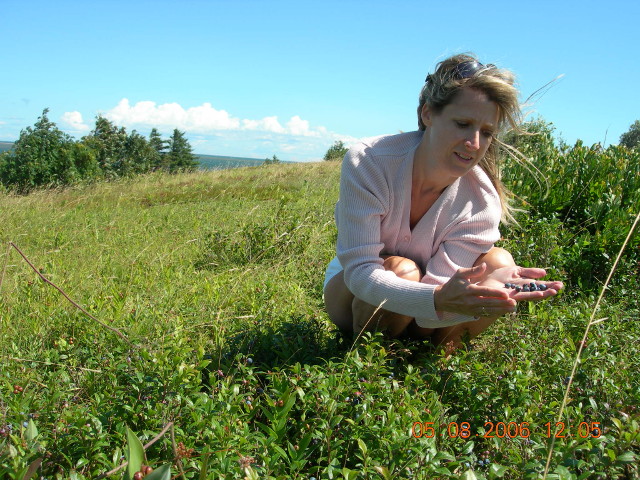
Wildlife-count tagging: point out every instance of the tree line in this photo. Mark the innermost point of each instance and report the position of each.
(46, 156)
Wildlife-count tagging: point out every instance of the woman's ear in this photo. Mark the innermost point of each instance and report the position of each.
(426, 115)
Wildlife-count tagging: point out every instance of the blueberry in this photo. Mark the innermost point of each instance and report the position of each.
(507, 285)
(533, 287)
(518, 289)
(249, 361)
(525, 288)
(542, 287)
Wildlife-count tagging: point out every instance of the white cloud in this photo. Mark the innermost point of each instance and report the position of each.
(200, 119)
(74, 121)
(203, 119)
(268, 124)
(298, 126)
(215, 131)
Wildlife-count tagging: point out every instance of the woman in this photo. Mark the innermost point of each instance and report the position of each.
(418, 215)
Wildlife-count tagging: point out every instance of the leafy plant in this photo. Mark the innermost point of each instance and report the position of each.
(216, 279)
(336, 152)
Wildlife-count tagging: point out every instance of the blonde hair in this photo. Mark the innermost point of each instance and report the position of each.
(464, 70)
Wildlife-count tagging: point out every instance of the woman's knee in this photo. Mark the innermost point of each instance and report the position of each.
(337, 300)
(403, 267)
(496, 258)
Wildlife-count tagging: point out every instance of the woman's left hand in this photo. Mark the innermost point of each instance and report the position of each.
(522, 276)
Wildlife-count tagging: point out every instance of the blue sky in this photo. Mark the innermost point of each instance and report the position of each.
(257, 78)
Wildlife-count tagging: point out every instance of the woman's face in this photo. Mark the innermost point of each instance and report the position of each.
(458, 137)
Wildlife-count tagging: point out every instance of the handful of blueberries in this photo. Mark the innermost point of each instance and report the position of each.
(527, 287)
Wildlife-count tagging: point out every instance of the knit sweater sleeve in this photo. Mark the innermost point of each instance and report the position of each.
(364, 202)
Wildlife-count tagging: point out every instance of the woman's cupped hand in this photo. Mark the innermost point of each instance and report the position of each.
(471, 291)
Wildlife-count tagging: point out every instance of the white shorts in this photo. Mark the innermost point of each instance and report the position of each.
(333, 269)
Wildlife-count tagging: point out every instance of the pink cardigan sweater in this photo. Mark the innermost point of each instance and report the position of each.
(372, 216)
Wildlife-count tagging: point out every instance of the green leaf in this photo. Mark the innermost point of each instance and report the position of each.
(304, 443)
(134, 453)
(468, 448)
(384, 471)
(362, 446)
(468, 475)
(288, 405)
(160, 473)
(627, 457)
(617, 423)
(563, 472)
(279, 451)
(335, 420)
(498, 470)
(116, 456)
(32, 431)
(349, 474)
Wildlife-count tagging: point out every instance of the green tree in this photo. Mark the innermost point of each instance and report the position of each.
(85, 162)
(118, 153)
(160, 146)
(44, 155)
(109, 145)
(336, 152)
(535, 136)
(271, 161)
(631, 138)
(141, 156)
(180, 153)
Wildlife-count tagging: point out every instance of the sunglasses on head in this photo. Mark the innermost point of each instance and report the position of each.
(464, 70)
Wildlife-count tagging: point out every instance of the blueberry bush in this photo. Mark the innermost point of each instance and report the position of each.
(230, 368)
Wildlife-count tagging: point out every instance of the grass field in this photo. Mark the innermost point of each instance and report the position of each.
(213, 281)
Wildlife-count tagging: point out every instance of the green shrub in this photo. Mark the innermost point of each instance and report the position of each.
(593, 197)
(43, 155)
(336, 152)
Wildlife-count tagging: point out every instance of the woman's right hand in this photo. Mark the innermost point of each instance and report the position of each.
(463, 294)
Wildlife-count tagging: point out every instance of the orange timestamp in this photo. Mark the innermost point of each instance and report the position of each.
(506, 430)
